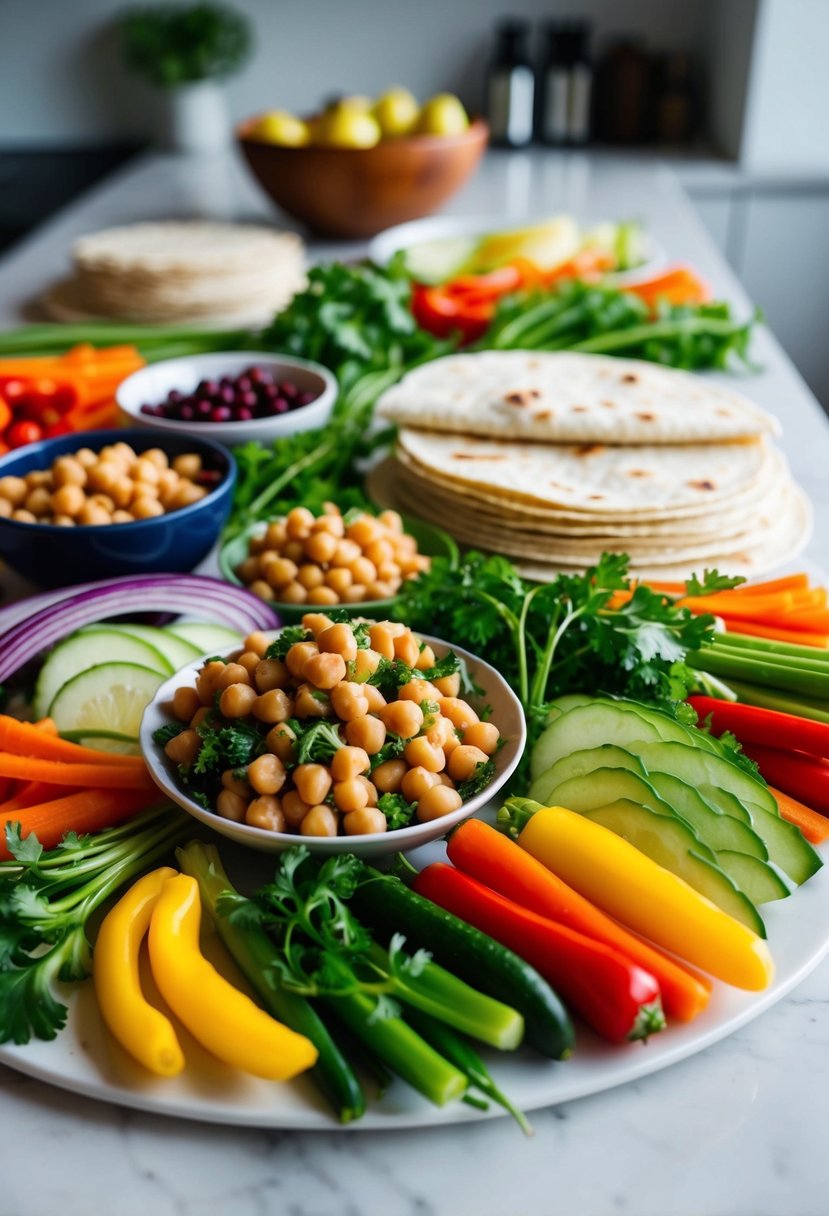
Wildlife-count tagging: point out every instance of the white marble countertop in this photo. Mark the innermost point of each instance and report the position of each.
(737, 1130)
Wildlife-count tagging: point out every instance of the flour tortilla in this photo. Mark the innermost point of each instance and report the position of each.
(182, 248)
(594, 477)
(567, 397)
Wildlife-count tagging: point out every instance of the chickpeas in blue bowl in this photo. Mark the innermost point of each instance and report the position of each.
(99, 504)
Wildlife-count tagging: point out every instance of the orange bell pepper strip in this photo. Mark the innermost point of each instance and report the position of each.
(678, 285)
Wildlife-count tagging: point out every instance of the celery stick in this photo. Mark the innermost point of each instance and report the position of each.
(767, 698)
(730, 665)
(744, 641)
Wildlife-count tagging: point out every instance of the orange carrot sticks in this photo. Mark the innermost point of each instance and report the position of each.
(814, 827)
(84, 811)
(58, 772)
(27, 740)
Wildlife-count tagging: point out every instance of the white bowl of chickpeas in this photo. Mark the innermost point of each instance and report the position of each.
(101, 503)
(345, 735)
(357, 561)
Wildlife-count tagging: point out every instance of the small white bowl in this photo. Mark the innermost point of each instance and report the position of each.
(152, 383)
(507, 715)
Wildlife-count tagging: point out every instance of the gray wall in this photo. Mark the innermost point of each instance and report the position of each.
(61, 82)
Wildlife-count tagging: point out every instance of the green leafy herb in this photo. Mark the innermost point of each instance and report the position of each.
(392, 674)
(288, 637)
(317, 742)
(481, 777)
(163, 734)
(712, 582)
(227, 745)
(392, 749)
(398, 811)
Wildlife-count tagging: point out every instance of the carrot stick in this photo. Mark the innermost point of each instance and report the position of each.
(814, 827)
(790, 582)
(47, 725)
(813, 620)
(751, 608)
(27, 740)
(755, 630)
(84, 811)
(33, 792)
(58, 772)
(483, 853)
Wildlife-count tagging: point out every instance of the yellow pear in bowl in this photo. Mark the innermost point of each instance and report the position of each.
(396, 111)
(442, 115)
(346, 126)
(280, 127)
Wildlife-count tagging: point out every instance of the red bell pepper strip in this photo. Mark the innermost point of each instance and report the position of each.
(802, 776)
(440, 313)
(492, 858)
(615, 997)
(766, 727)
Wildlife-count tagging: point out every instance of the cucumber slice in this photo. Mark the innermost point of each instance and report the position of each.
(723, 801)
(589, 726)
(585, 761)
(673, 845)
(760, 882)
(718, 830)
(109, 697)
(695, 766)
(87, 649)
(207, 639)
(667, 726)
(436, 261)
(788, 848)
(176, 652)
(563, 705)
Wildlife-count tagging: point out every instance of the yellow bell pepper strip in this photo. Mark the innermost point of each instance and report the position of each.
(648, 899)
(141, 1029)
(219, 1016)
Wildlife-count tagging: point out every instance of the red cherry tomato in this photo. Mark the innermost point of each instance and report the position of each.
(22, 433)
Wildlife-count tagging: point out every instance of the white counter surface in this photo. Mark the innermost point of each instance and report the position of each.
(738, 1130)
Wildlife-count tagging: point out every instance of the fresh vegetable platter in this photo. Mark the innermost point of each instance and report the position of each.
(384, 909)
(86, 1061)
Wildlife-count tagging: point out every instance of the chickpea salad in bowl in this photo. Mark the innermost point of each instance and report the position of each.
(333, 729)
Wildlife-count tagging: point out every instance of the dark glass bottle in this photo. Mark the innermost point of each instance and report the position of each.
(554, 90)
(580, 99)
(510, 86)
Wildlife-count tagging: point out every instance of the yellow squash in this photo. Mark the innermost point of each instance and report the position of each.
(219, 1016)
(140, 1028)
(629, 886)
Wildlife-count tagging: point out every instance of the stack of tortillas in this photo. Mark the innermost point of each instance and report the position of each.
(181, 271)
(553, 459)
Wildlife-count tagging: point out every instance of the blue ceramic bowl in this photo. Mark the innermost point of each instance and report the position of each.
(54, 556)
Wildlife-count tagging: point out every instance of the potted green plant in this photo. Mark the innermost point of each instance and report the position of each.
(185, 50)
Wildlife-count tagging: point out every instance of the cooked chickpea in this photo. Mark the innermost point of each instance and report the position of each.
(23, 516)
(348, 702)
(374, 698)
(403, 718)
(324, 670)
(272, 706)
(185, 703)
(388, 776)
(312, 781)
(464, 760)
(38, 477)
(294, 809)
(270, 673)
(315, 622)
(441, 733)
(183, 748)
(407, 648)
(39, 501)
(236, 784)
(436, 802)
(363, 571)
(187, 465)
(366, 663)
(310, 576)
(349, 762)
(416, 782)
(13, 489)
(122, 493)
(147, 508)
(382, 639)
(389, 572)
(199, 716)
(378, 590)
(330, 523)
(146, 470)
(93, 515)
(258, 642)
(310, 702)
(122, 517)
(293, 550)
(65, 521)
(231, 806)
(234, 673)
(207, 683)
(365, 822)
(449, 686)
(265, 590)
(267, 774)
(276, 534)
(350, 795)
(346, 553)
(185, 496)
(237, 701)
(339, 579)
(5, 508)
(319, 821)
(138, 489)
(68, 500)
(86, 457)
(354, 594)
(266, 813)
(420, 753)
(298, 655)
(157, 457)
(366, 733)
(458, 712)
(68, 471)
(250, 662)
(103, 475)
(339, 639)
(167, 486)
(294, 593)
(391, 520)
(280, 740)
(379, 552)
(280, 572)
(298, 523)
(364, 530)
(426, 659)
(483, 735)
(417, 690)
(320, 546)
(323, 595)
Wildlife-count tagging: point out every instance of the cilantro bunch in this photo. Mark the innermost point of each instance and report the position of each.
(572, 634)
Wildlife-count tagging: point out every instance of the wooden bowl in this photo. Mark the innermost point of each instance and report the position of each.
(356, 192)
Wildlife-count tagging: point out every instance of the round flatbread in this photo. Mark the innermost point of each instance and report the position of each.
(566, 397)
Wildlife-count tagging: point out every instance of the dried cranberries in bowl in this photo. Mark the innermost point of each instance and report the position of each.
(255, 393)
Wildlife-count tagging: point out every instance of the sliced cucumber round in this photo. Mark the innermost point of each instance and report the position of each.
(90, 648)
(208, 639)
(174, 651)
(109, 698)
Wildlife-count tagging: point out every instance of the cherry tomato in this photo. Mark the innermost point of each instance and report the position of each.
(22, 433)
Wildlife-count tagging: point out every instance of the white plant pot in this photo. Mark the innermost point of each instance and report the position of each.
(198, 120)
